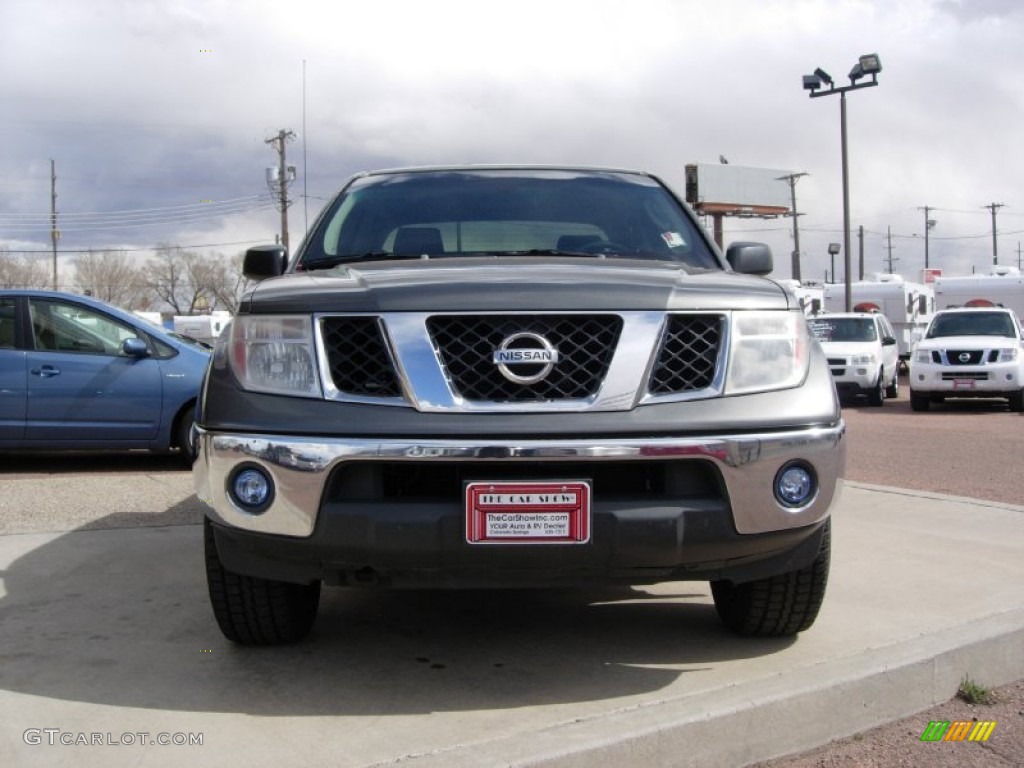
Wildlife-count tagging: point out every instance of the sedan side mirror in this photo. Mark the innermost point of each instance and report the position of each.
(263, 261)
(135, 347)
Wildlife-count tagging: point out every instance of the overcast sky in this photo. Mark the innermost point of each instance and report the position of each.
(151, 108)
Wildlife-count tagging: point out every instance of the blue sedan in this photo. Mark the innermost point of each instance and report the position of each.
(76, 373)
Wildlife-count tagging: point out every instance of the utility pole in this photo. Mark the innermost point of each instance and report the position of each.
(281, 178)
(995, 248)
(54, 232)
(791, 180)
(928, 224)
(860, 250)
(889, 259)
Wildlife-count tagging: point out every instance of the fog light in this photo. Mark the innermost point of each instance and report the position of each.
(252, 489)
(795, 485)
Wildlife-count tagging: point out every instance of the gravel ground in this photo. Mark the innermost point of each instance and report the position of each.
(967, 449)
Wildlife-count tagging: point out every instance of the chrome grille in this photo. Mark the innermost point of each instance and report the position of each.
(357, 356)
(689, 354)
(465, 345)
(974, 356)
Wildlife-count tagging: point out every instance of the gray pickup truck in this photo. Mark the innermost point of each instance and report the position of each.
(515, 377)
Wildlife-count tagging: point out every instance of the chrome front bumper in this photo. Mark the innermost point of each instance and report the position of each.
(300, 467)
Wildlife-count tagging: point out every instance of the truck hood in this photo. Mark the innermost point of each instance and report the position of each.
(967, 342)
(513, 284)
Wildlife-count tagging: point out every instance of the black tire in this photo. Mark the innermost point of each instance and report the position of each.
(183, 435)
(893, 390)
(1017, 401)
(877, 395)
(254, 611)
(778, 605)
(919, 402)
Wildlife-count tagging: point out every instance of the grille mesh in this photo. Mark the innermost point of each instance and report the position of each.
(688, 355)
(358, 358)
(465, 344)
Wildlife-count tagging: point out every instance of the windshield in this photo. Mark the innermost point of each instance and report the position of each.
(844, 329)
(971, 324)
(444, 214)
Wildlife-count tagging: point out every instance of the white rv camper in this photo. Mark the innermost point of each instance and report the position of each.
(1003, 286)
(205, 328)
(908, 306)
(809, 295)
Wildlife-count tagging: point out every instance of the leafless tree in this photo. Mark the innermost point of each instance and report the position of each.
(189, 281)
(230, 283)
(20, 272)
(112, 277)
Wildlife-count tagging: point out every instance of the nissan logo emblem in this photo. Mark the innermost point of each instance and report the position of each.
(965, 357)
(530, 353)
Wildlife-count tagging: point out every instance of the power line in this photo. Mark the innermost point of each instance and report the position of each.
(141, 211)
(137, 250)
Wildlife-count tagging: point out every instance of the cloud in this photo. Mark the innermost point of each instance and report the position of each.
(156, 104)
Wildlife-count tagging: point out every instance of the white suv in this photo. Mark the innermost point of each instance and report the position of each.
(969, 352)
(862, 353)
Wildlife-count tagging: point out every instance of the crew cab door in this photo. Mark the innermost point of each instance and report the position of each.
(82, 386)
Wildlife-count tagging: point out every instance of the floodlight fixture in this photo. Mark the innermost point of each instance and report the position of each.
(870, 63)
(812, 82)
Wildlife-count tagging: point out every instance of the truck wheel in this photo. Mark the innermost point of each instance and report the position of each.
(893, 390)
(778, 605)
(1017, 401)
(254, 611)
(919, 402)
(877, 394)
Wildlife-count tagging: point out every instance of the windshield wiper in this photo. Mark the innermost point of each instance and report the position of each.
(348, 258)
(551, 252)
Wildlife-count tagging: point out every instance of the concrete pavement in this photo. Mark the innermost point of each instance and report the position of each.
(106, 634)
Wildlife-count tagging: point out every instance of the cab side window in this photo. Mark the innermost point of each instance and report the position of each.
(7, 317)
(64, 327)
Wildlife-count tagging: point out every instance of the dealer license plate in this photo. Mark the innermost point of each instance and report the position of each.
(963, 383)
(549, 512)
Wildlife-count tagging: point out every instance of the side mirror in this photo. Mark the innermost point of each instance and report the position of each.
(263, 261)
(888, 341)
(750, 258)
(135, 347)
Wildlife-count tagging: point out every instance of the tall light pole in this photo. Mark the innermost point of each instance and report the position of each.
(869, 64)
(833, 249)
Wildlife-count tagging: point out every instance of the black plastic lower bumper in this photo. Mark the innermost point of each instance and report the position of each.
(424, 545)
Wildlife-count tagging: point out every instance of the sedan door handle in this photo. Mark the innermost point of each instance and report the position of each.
(46, 371)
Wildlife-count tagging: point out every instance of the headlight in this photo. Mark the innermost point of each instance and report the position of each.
(923, 356)
(862, 360)
(769, 350)
(274, 354)
(1007, 355)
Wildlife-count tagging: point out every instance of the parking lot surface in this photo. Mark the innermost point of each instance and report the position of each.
(107, 634)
